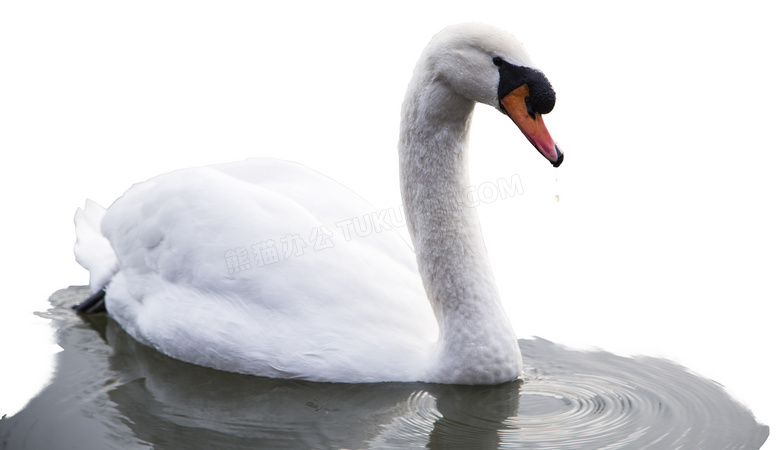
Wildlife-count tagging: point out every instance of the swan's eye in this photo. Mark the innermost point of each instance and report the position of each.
(498, 61)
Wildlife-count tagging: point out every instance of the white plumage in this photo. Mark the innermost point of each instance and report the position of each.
(188, 268)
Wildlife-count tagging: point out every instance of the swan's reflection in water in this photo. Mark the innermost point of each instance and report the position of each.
(115, 393)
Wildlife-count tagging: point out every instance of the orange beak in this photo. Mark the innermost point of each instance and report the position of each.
(532, 127)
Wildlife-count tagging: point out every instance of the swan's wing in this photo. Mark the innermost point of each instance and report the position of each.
(186, 225)
(250, 253)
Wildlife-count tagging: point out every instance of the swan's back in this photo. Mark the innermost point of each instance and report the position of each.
(241, 267)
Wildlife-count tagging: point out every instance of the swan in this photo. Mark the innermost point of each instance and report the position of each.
(253, 267)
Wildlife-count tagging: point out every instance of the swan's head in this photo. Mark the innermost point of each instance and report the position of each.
(488, 65)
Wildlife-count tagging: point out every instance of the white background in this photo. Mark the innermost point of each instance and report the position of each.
(664, 240)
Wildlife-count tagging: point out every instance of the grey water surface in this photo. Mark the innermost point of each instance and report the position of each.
(109, 392)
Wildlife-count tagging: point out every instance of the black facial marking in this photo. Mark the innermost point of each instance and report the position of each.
(541, 97)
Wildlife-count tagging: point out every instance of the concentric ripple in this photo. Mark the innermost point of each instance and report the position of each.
(570, 412)
(574, 399)
(580, 400)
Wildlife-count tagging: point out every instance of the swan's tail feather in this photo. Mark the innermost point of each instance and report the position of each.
(93, 251)
(94, 304)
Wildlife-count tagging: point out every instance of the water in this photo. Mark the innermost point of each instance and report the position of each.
(110, 392)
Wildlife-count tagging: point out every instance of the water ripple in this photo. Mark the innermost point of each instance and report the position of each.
(111, 392)
(574, 399)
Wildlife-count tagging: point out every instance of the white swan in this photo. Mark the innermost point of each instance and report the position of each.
(252, 267)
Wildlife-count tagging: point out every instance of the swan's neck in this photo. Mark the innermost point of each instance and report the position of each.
(476, 342)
